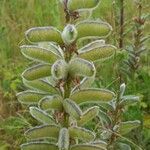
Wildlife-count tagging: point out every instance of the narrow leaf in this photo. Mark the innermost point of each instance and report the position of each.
(100, 143)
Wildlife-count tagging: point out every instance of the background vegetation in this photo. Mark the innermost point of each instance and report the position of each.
(16, 16)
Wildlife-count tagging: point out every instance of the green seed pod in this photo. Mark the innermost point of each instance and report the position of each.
(69, 34)
(37, 72)
(30, 97)
(92, 95)
(88, 115)
(38, 146)
(87, 147)
(81, 67)
(43, 34)
(97, 53)
(93, 29)
(81, 4)
(81, 133)
(40, 85)
(41, 115)
(72, 108)
(51, 102)
(100, 143)
(39, 54)
(44, 131)
(59, 69)
(63, 141)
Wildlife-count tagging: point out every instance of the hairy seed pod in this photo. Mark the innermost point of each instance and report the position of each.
(72, 108)
(43, 34)
(59, 69)
(63, 141)
(39, 54)
(38, 146)
(81, 67)
(81, 133)
(81, 4)
(69, 34)
(93, 29)
(41, 115)
(37, 72)
(30, 97)
(44, 131)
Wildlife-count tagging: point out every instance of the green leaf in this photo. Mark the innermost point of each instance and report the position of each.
(128, 126)
(93, 29)
(63, 141)
(72, 108)
(81, 67)
(37, 71)
(88, 115)
(92, 95)
(44, 131)
(97, 53)
(84, 4)
(122, 146)
(41, 115)
(30, 97)
(38, 146)
(60, 69)
(39, 54)
(51, 102)
(81, 133)
(86, 147)
(39, 34)
(100, 143)
(122, 89)
(41, 85)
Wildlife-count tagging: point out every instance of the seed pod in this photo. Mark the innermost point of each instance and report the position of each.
(63, 141)
(81, 133)
(37, 72)
(41, 115)
(38, 146)
(40, 85)
(39, 54)
(81, 4)
(60, 69)
(44, 131)
(88, 115)
(92, 95)
(72, 108)
(43, 34)
(81, 67)
(69, 34)
(97, 53)
(51, 102)
(93, 29)
(100, 143)
(30, 97)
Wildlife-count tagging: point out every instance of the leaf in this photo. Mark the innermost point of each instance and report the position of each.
(39, 34)
(30, 97)
(51, 102)
(122, 146)
(126, 127)
(60, 69)
(40, 85)
(84, 4)
(93, 29)
(72, 108)
(97, 53)
(63, 141)
(100, 143)
(39, 54)
(92, 95)
(88, 115)
(44, 131)
(81, 133)
(122, 89)
(37, 71)
(81, 67)
(86, 147)
(41, 115)
(38, 146)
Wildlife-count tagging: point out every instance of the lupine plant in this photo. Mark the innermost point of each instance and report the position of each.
(60, 81)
